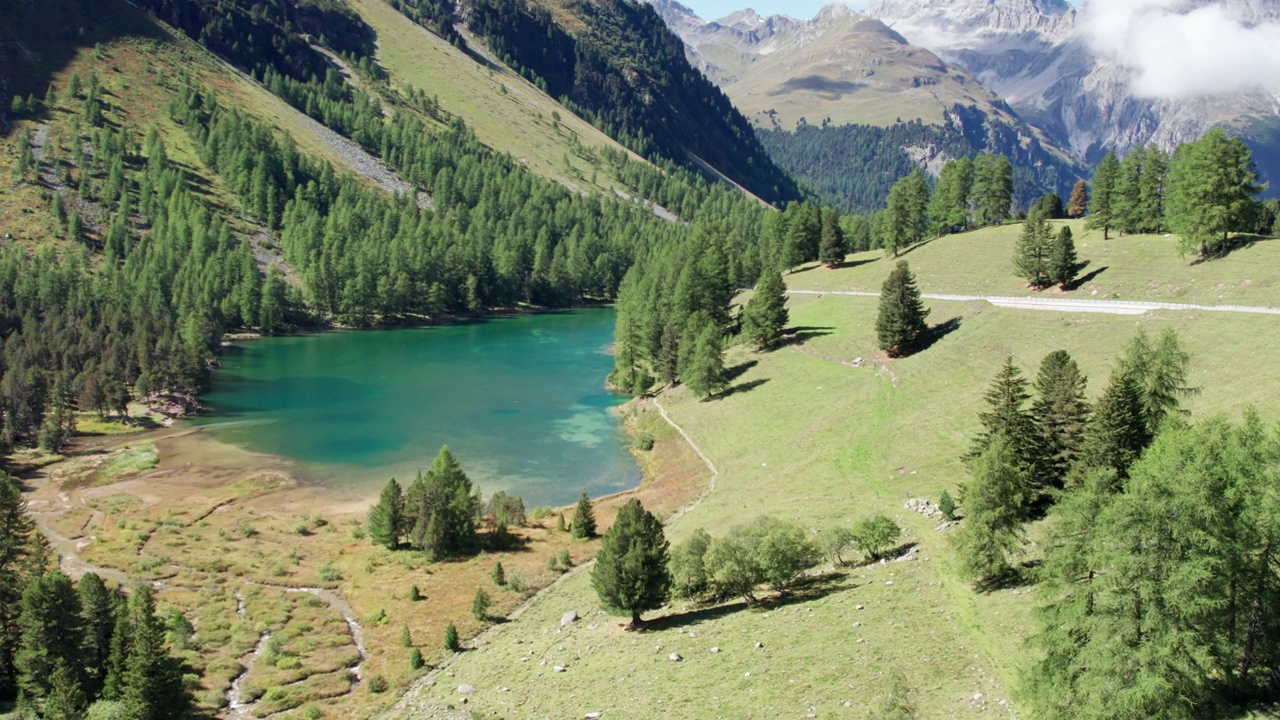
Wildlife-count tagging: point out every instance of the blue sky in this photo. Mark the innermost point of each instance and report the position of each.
(713, 9)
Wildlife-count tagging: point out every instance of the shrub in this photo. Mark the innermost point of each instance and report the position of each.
(565, 559)
(328, 573)
(947, 505)
(516, 582)
(782, 551)
(876, 535)
(498, 575)
(541, 512)
(244, 529)
(688, 568)
(311, 712)
(834, 541)
(379, 618)
(377, 684)
(551, 563)
(644, 441)
(560, 522)
(414, 594)
(451, 639)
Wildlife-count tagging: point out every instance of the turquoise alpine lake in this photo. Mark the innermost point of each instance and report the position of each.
(519, 400)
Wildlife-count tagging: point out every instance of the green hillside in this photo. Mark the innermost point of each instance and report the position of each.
(828, 431)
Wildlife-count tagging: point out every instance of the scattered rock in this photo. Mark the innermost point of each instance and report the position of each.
(977, 696)
(463, 701)
(567, 618)
(674, 657)
(746, 674)
(592, 715)
(857, 607)
(465, 689)
(947, 525)
(715, 649)
(593, 626)
(888, 582)
(558, 668)
(923, 506)
(759, 644)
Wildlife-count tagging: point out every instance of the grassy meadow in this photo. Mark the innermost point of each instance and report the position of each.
(828, 431)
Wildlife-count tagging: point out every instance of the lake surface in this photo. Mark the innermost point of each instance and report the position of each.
(520, 401)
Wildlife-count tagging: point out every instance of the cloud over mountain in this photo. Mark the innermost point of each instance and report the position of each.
(1175, 50)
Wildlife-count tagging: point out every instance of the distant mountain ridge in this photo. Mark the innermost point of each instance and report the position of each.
(1032, 53)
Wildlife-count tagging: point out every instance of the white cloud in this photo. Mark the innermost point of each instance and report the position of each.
(1174, 52)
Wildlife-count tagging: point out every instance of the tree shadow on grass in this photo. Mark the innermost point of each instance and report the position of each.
(937, 332)
(912, 248)
(799, 335)
(739, 388)
(735, 372)
(855, 263)
(1224, 248)
(887, 556)
(1019, 576)
(804, 590)
(1080, 281)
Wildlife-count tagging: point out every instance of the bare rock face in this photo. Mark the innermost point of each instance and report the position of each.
(1035, 55)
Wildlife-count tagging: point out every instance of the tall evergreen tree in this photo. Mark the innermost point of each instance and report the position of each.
(1061, 413)
(833, 248)
(386, 518)
(702, 366)
(766, 315)
(992, 188)
(1117, 431)
(1034, 251)
(98, 614)
(904, 219)
(51, 633)
(1063, 263)
(66, 699)
(583, 526)
(1160, 371)
(153, 687)
(1212, 183)
(1008, 418)
(19, 560)
(631, 574)
(441, 508)
(949, 207)
(1078, 204)
(994, 512)
(900, 324)
(1102, 207)
(1126, 194)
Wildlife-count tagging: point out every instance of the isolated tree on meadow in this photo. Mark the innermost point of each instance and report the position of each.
(875, 536)
(900, 323)
(1063, 262)
(995, 509)
(832, 250)
(949, 207)
(1061, 413)
(386, 517)
(631, 573)
(1212, 183)
(1034, 251)
(441, 508)
(1101, 207)
(765, 315)
(583, 526)
(1078, 205)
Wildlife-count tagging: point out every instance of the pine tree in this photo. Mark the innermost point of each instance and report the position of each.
(386, 518)
(498, 575)
(441, 508)
(66, 699)
(1212, 183)
(949, 207)
(1126, 195)
(994, 511)
(51, 633)
(1007, 418)
(480, 605)
(631, 573)
(831, 252)
(766, 315)
(153, 687)
(98, 614)
(1061, 413)
(900, 324)
(1101, 211)
(1078, 205)
(451, 642)
(20, 550)
(992, 188)
(1034, 249)
(702, 366)
(1063, 263)
(415, 659)
(1117, 431)
(584, 520)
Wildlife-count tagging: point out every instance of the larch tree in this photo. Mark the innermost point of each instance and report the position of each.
(903, 223)
(1160, 371)
(702, 364)
(1126, 195)
(949, 207)
(1063, 262)
(1061, 413)
(992, 188)
(1034, 251)
(1101, 208)
(583, 526)
(994, 512)
(386, 518)
(900, 324)
(1078, 204)
(631, 573)
(1212, 183)
(765, 315)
